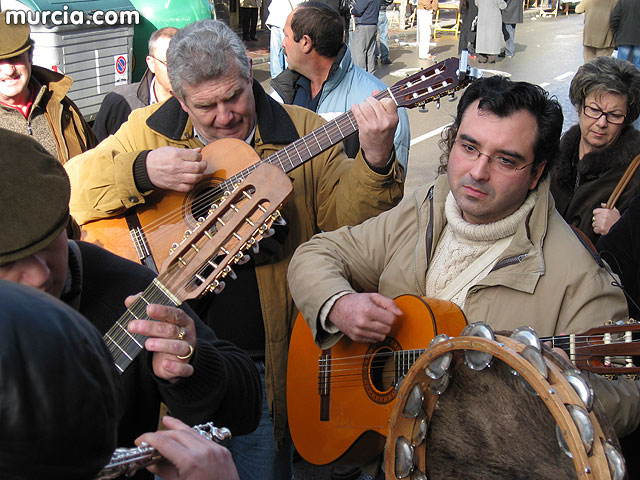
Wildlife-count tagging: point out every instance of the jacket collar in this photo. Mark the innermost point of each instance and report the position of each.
(143, 88)
(55, 82)
(341, 65)
(274, 124)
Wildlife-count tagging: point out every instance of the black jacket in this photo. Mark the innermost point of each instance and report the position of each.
(225, 387)
(600, 171)
(119, 103)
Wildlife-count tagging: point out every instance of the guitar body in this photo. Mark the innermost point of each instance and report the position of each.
(166, 216)
(339, 400)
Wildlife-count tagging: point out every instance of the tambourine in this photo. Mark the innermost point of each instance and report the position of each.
(485, 406)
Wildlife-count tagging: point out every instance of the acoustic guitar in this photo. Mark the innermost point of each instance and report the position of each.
(207, 253)
(340, 400)
(146, 233)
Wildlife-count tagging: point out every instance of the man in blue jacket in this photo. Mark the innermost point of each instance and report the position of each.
(322, 75)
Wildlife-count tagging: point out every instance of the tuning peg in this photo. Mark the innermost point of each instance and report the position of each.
(267, 233)
(255, 248)
(423, 108)
(242, 258)
(452, 97)
(220, 287)
(230, 273)
(438, 104)
(280, 220)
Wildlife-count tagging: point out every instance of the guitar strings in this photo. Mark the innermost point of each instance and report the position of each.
(344, 370)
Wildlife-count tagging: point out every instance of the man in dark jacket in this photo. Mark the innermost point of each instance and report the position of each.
(153, 88)
(180, 363)
(33, 99)
(511, 16)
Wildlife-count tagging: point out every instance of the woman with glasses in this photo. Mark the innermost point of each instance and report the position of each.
(595, 153)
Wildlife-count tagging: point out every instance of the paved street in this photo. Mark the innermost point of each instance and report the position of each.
(548, 53)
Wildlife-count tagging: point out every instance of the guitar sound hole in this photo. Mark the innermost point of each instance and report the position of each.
(381, 370)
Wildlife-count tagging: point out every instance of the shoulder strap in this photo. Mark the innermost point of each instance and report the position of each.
(626, 177)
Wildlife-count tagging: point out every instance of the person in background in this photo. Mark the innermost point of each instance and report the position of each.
(322, 76)
(249, 19)
(468, 16)
(511, 16)
(383, 33)
(183, 364)
(279, 10)
(595, 153)
(425, 17)
(489, 29)
(597, 37)
(33, 100)
(363, 39)
(52, 357)
(153, 88)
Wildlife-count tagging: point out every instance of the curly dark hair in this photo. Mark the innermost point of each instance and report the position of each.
(503, 98)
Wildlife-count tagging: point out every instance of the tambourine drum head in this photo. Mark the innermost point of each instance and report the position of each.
(486, 425)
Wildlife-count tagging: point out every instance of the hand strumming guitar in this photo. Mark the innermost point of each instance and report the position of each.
(364, 317)
(173, 168)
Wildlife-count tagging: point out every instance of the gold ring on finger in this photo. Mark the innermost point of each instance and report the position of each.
(188, 355)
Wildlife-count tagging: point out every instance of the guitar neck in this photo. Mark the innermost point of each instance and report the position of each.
(125, 346)
(403, 361)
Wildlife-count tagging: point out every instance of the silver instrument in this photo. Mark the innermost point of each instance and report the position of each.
(127, 461)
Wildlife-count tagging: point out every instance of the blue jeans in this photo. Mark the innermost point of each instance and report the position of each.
(255, 455)
(631, 53)
(277, 60)
(509, 34)
(383, 32)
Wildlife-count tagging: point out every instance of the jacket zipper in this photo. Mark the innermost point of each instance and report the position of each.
(505, 262)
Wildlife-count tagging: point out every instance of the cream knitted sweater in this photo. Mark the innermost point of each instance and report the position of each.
(461, 243)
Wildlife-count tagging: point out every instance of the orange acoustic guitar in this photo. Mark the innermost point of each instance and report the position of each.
(340, 400)
(146, 233)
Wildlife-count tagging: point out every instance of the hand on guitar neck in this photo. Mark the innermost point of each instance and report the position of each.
(171, 335)
(377, 121)
(365, 317)
(173, 168)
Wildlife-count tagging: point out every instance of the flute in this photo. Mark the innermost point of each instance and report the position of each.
(127, 461)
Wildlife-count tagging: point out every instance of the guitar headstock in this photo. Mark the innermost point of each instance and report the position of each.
(244, 215)
(431, 83)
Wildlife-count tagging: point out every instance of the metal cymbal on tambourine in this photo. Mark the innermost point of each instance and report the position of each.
(489, 406)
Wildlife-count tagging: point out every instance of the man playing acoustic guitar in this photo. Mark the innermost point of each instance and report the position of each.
(159, 149)
(485, 236)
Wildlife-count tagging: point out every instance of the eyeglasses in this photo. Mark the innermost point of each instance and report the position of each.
(500, 163)
(164, 62)
(596, 113)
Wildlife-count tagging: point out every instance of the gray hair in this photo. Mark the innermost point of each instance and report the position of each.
(608, 75)
(202, 51)
(166, 32)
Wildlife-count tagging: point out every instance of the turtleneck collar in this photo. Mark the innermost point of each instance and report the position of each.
(486, 232)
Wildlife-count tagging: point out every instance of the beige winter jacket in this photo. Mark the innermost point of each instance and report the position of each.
(330, 190)
(545, 278)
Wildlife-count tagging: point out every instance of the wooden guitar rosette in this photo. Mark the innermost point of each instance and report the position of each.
(498, 408)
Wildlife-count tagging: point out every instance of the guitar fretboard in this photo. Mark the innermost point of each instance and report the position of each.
(125, 346)
(403, 361)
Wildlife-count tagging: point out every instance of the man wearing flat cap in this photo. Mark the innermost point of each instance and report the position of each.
(33, 99)
(183, 364)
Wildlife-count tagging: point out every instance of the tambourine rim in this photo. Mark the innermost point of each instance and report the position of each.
(508, 351)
